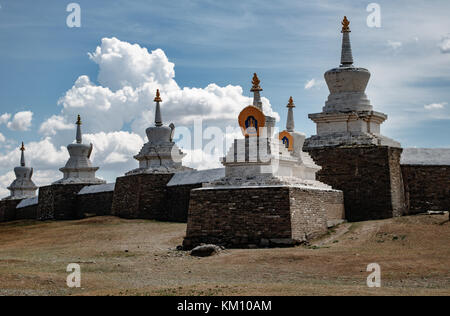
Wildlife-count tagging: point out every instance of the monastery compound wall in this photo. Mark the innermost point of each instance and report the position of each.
(289, 192)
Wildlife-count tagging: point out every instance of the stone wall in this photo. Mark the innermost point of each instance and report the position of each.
(178, 198)
(142, 196)
(8, 210)
(98, 204)
(58, 202)
(427, 187)
(370, 178)
(28, 212)
(265, 216)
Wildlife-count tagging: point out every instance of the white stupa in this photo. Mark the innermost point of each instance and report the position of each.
(261, 159)
(22, 187)
(79, 169)
(160, 154)
(348, 117)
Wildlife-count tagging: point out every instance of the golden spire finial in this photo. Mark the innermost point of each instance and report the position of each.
(256, 82)
(291, 103)
(22, 148)
(78, 120)
(158, 96)
(345, 25)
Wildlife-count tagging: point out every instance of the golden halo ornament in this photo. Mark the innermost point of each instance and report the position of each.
(287, 139)
(251, 120)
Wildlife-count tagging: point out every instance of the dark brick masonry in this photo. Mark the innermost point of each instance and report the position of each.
(178, 201)
(142, 196)
(28, 212)
(98, 204)
(8, 210)
(266, 216)
(370, 177)
(427, 188)
(58, 202)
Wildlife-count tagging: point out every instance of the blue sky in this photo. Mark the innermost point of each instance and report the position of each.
(288, 43)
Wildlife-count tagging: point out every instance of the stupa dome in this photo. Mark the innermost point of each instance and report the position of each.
(78, 168)
(22, 187)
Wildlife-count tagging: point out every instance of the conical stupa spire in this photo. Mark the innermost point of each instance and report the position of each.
(22, 157)
(346, 56)
(290, 124)
(79, 136)
(256, 89)
(158, 100)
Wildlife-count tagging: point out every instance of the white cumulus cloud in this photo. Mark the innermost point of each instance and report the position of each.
(395, 45)
(311, 83)
(21, 121)
(54, 124)
(4, 118)
(444, 45)
(435, 106)
(123, 100)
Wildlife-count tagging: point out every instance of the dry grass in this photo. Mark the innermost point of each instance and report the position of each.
(120, 257)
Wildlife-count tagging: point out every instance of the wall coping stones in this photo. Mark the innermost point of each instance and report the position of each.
(196, 176)
(92, 189)
(426, 156)
(28, 202)
(304, 187)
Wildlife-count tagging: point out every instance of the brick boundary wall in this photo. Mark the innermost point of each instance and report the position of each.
(142, 196)
(258, 217)
(58, 202)
(28, 212)
(370, 178)
(98, 204)
(178, 198)
(427, 188)
(8, 210)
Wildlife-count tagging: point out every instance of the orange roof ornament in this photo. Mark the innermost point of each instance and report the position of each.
(345, 25)
(256, 83)
(158, 96)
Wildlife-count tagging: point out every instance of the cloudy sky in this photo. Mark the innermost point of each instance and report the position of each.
(202, 54)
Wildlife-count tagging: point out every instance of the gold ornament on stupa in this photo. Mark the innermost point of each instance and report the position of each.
(345, 25)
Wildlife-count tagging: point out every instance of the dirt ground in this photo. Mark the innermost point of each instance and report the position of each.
(121, 257)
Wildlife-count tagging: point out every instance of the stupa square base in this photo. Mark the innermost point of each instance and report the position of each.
(369, 176)
(59, 202)
(8, 210)
(142, 196)
(271, 216)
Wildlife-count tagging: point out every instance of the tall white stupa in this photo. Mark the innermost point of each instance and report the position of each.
(160, 154)
(262, 158)
(348, 117)
(269, 196)
(79, 169)
(22, 187)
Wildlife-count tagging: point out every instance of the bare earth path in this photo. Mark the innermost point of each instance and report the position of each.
(120, 257)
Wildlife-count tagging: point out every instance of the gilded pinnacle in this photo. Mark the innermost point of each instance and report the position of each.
(78, 120)
(345, 25)
(291, 103)
(22, 148)
(256, 83)
(158, 96)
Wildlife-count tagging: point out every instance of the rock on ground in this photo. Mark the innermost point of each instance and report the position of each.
(206, 250)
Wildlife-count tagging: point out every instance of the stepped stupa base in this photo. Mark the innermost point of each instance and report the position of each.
(369, 176)
(59, 201)
(261, 216)
(8, 209)
(142, 196)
